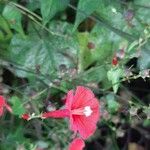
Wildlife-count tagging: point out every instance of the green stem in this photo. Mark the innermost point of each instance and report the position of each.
(35, 117)
(33, 17)
(26, 10)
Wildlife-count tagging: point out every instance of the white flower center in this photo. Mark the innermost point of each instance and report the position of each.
(87, 111)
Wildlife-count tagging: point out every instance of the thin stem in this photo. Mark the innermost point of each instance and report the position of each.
(124, 79)
(35, 117)
(134, 96)
(33, 17)
(26, 10)
(39, 76)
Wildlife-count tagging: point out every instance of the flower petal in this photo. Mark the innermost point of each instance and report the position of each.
(86, 126)
(77, 144)
(1, 111)
(61, 113)
(69, 100)
(82, 96)
(8, 108)
(2, 101)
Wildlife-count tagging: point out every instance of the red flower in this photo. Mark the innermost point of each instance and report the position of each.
(83, 110)
(77, 144)
(3, 104)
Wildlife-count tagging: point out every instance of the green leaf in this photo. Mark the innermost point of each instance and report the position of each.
(30, 54)
(1, 7)
(113, 105)
(143, 11)
(4, 27)
(13, 15)
(33, 4)
(17, 106)
(104, 44)
(143, 15)
(84, 9)
(146, 123)
(142, 2)
(113, 9)
(5, 35)
(144, 61)
(95, 74)
(114, 74)
(46, 53)
(50, 7)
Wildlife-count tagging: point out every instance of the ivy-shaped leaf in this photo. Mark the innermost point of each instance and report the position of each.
(46, 53)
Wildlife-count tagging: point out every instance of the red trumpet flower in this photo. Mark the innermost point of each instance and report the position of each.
(82, 108)
(3, 104)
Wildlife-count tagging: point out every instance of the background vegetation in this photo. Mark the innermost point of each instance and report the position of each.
(48, 47)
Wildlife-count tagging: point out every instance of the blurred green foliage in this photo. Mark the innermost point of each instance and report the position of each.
(51, 46)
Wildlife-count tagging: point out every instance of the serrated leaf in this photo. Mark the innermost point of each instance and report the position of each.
(13, 15)
(50, 7)
(17, 106)
(114, 74)
(47, 53)
(84, 9)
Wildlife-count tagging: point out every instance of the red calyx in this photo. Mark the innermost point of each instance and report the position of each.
(25, 116)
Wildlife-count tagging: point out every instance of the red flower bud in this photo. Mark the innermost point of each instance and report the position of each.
(91, 45)
(114, 61)
(25, 116)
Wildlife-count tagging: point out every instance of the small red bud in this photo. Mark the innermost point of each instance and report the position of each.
(91, 45)
(114, 61)
(25, 116)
